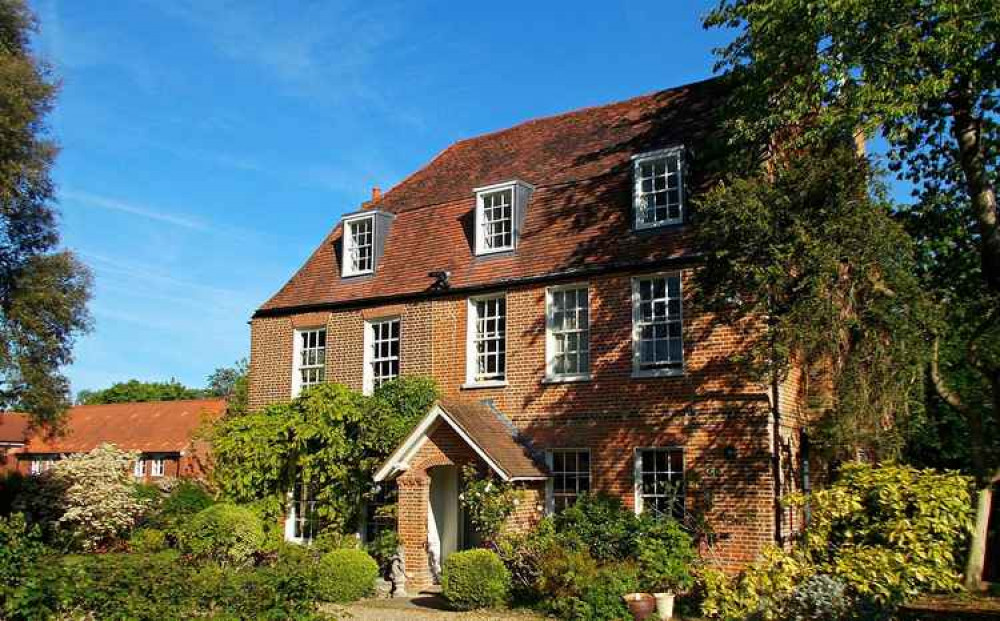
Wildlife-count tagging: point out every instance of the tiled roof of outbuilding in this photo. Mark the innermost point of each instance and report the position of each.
(14, 428)
(150, 427)
(578, 218)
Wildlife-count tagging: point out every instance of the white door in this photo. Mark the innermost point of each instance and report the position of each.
(442, 516)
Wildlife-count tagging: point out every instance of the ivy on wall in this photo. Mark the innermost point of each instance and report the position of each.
(331, 436)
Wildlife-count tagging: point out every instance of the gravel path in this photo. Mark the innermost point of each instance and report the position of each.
(423, 607)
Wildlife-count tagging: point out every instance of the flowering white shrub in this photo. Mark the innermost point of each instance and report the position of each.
(96, 495)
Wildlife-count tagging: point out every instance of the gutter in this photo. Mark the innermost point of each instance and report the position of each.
(678, 262)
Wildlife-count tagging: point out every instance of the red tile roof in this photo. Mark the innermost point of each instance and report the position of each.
(153, 427)
(578, 219)
(484, 425)
(14, 427)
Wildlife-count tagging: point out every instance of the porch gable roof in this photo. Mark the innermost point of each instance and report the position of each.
(479, 426)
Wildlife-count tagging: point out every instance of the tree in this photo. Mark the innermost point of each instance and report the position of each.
(136, 391)
(925, 75)
(43, 290)
(808, 248)
(231, 383)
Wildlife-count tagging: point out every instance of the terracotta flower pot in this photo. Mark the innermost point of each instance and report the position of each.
(641, 605)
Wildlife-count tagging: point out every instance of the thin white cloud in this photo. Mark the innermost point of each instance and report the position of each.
(325, 49)
(142, 211)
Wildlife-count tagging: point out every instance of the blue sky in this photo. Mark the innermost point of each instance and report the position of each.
(207, 147)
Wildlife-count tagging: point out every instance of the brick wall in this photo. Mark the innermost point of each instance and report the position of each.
(722, 420)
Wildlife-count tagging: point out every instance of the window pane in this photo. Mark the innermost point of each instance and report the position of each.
(662, 481)
(570, 332)
(658, 190)
(570, 476)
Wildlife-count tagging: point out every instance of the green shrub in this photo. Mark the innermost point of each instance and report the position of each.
(20, 548)
(160, 586)
(124, 586)
(819, 598)
(759, 592)
(665, 554)
(225, 533)
(598, 595)
(603, 524)
(186, 498)
(475, 579)
(890, 532)
(276, 592)
(523, 554)
(330, 539)
(147, 540)
(383, 549)
(346, 575)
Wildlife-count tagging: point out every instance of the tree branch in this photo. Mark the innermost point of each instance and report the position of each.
(947, 394)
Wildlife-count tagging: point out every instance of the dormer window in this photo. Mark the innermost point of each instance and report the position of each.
(658, 196)
(359, 246)
(499, 215)
(363, 239)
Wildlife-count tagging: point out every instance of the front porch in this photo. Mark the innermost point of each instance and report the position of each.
(427, 470)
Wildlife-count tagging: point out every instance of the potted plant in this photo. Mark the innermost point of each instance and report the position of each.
(665, 555)
(641, 605)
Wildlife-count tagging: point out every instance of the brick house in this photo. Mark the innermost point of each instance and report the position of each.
(14, 429)
(162, 432)
(542, 275)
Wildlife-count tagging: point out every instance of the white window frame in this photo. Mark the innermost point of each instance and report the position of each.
(637, 475)
(297, 366)
(471, 354)
(550, 494)
(38, 465)
(637, 194)
(520, 193)
(157, 467)
(139, 468)
(347, 263)
(637, 369)
(292, 516)
(550, 336)
(370, 359)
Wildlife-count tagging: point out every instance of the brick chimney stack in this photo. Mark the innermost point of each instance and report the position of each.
(376, 193)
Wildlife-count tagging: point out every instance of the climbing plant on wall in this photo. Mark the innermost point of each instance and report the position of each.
(331, 436)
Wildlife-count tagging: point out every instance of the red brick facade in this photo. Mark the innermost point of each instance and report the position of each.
(740, 438)
(722, 421)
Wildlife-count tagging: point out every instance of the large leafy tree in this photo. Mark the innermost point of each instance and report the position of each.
(43, 291)
(924, 75)
(807, 245)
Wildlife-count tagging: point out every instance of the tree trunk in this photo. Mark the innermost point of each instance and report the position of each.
(968, 134)
(977, 546)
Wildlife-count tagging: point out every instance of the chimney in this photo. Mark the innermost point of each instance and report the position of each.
(376, 195)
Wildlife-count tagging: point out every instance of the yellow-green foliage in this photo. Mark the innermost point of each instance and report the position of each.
(888, 533)
(759, 591)
(892, 531)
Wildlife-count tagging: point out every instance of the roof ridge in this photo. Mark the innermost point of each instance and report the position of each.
(134, 403)
(528, 122)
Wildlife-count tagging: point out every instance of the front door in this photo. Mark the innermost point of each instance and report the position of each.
(443, 516)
